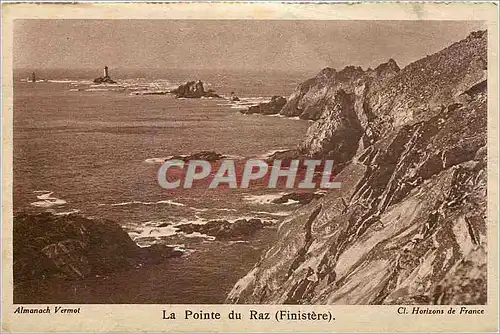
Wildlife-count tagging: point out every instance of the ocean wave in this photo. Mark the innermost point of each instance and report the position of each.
(29, 80)
(198, 221)
(212, 209)
(198, 235)
(277, 214)
(245, 102)
(158, 160)
(150, 235)
(113, 89)
(238, 242)
(70, 81)
(149, 92)
(291, 202)
(169, 202)
(161, 160)
(263, 199)
(151, 232)
(66, 213)
(47, 200)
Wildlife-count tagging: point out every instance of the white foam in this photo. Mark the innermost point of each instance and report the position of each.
(154, 232)
(66, 213)
(99, 90)
(212, 209)
(64, 81)
(239, 107)
(199, 221)
(149, 92)
(169, 202)
(199, 235)
(278, 214)
(263, 199)
(47, 200)
(158, 160)
(245, 102)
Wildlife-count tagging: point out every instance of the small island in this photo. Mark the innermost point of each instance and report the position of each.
(105, 79)
(194, 90)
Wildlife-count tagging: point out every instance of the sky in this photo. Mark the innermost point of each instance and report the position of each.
(229, 44)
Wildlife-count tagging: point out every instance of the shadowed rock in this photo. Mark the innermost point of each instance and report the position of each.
(75, 247)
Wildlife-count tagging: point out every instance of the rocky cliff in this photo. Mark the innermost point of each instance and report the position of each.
(408, 225)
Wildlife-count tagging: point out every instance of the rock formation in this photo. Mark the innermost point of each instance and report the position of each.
(202, 155)
(225, 230)
(234, 97)
(272, 107)
(408, 225)
(75, 247)
(193, 89)
(104, 80)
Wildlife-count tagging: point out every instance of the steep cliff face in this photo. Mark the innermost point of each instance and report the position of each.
(409, 222)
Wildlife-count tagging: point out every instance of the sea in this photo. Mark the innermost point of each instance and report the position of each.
(95, 150)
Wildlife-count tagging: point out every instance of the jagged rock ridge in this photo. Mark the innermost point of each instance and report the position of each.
(408, 225)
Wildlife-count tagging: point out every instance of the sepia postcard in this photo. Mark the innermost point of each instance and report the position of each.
(250, 167)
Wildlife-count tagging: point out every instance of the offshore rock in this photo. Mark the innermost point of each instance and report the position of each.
(226, 230)
(408, 225)
(75, 247)
(202, 155)
(193, 89)
(299, 197)
(104, 80)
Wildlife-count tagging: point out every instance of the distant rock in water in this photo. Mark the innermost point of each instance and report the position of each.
(272, 107)
(202, 155)
(193, 90)
(105, 78)
(234, 98)
(76, 247)
(299, 197)
(226, 230)
(102, 80)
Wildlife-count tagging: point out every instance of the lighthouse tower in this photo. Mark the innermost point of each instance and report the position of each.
(106, 72)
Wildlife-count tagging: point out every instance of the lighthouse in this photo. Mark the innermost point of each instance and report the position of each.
(104, 79)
